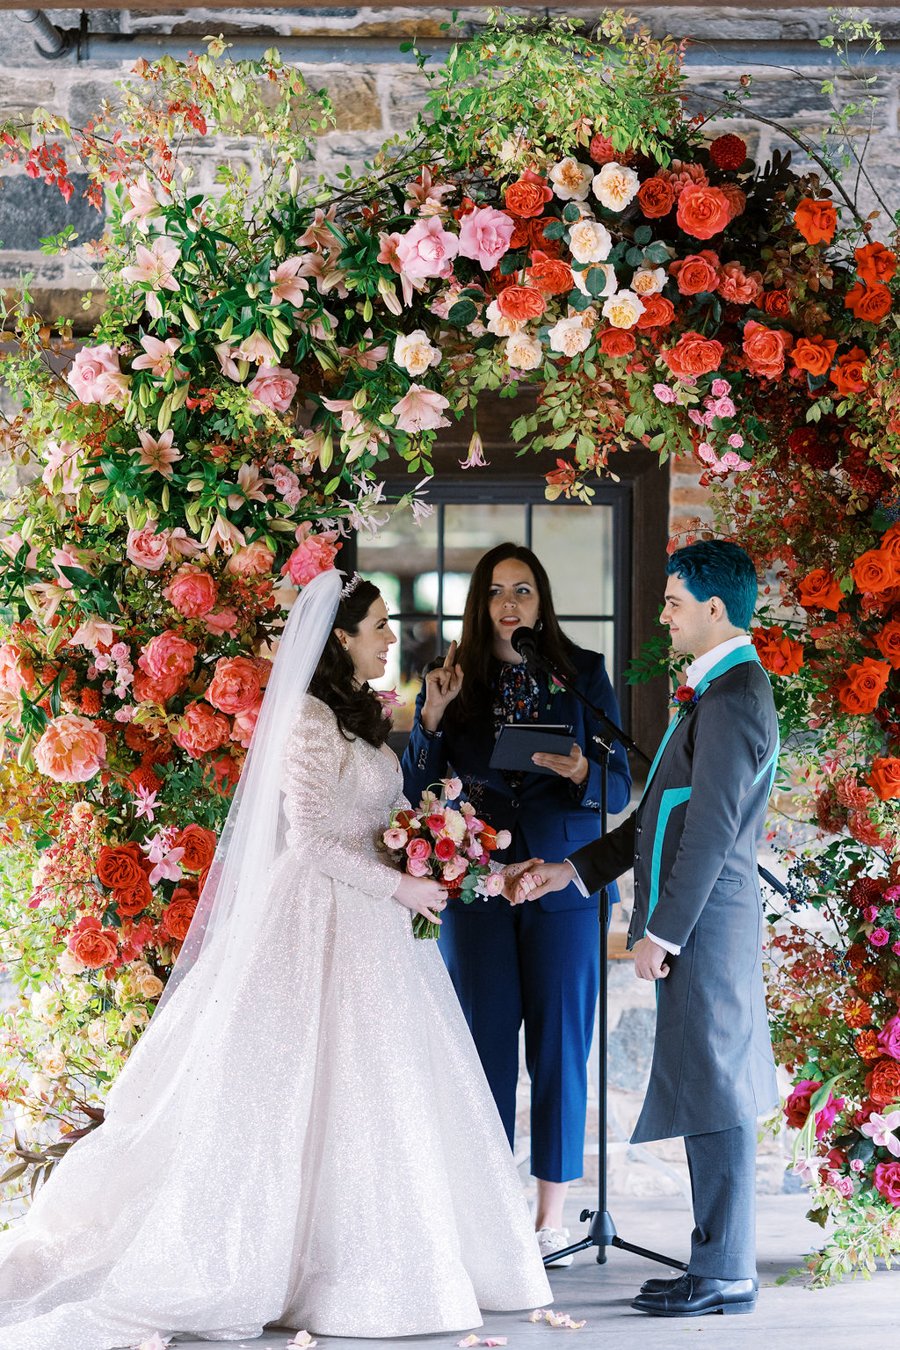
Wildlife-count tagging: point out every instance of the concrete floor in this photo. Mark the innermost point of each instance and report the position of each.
(850, 1316)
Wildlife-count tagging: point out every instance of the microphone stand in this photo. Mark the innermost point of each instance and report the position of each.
(602, 1231)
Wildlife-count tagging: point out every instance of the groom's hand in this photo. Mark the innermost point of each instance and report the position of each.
(649, 960)
(539, 878)
(512, 873)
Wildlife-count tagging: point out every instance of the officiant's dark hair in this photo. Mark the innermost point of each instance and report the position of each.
(476, 645)
(359, 712)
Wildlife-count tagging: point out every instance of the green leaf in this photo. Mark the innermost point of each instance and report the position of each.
(572, 213)
(554, 229)
(643, 234)
(462, 313)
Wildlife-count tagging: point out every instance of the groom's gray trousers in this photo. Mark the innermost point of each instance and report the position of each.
(722, 1167)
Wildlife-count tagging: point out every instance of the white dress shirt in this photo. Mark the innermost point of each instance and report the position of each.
(692, 677)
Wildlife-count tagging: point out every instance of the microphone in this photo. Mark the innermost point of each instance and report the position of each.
(524, 641)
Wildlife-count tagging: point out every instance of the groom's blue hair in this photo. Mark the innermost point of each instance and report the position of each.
(718, 567)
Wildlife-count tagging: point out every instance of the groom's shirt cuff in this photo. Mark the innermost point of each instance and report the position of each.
(579, 884)
(670, 947)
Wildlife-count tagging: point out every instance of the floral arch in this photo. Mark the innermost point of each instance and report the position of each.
(554, 221)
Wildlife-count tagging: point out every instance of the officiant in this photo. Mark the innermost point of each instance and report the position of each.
(537, 964)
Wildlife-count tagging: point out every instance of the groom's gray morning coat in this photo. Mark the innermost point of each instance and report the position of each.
(692, 842)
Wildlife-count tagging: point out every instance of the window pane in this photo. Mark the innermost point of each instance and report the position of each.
(575, 544)
(401, 547)
(595, 636)
(473, 528)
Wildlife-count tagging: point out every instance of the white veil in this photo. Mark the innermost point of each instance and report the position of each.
(253, 835)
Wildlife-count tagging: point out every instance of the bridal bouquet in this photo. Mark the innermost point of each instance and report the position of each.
(448, 842)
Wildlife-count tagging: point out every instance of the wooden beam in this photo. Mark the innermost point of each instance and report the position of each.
(147, 7)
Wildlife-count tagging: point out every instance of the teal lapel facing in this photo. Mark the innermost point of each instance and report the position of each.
(739, 657)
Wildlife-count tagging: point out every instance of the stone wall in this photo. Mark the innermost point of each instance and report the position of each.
(353, 53)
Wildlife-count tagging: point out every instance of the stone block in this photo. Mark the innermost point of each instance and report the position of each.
(85, 97)
(630, 1048)
(335, 152)
(405, 96)
(788, 98)
(20, 96)
(29, 211)
(354, 96)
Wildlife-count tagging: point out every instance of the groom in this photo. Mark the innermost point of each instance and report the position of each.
(697, 921)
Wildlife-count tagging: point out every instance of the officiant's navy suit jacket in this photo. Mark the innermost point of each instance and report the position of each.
(548, 816)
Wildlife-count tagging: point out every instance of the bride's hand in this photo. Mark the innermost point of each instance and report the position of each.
(422, 895)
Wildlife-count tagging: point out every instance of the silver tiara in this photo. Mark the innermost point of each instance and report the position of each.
(348, 589)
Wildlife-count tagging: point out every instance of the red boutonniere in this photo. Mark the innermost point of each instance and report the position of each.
(684, 699)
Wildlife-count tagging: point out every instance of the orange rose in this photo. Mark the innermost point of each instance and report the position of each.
(866, 1045)
(121, 866)
(528, 195)
(703, 211)
(777, 303)
(235, 685)
(875, 263)
(884, 1082)
(858, 693)
(199, 845)
(521, 302)
(202, 730)
(696, 273)
(658, 312)
(656, 197)
(132, 900)
(146, 689)
(779, 654)
(617, 342)
(176, 918)
(693, 354)
(819, 590)
(550, 275)
(885, 778)
(848, 373)
(890, 542)
(739, 287)
(816, 220)
(814, 354)
(888, 643)
(870, 303)
(875, 571)
(93, 945)
(765, 349)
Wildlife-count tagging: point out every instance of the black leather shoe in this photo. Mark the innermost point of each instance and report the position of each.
(656, 1286)
(697, 1295)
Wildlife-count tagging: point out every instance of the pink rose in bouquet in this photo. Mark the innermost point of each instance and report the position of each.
(202, 730)
(192, 592)
(235, 686)
(889, 1038)
(274, 387)
(168, 656)
(95, 376)
(254, 560)
(314, 553)
(427, 250)
(71, 749)
(484, 235)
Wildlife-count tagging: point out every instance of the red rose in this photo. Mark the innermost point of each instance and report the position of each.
(860, 690)
(658, 312)
(698, 272)
(235, 686)
(728, 151)
(121, 866)
(92, 944)
(819, 590)
(177, 915)
(132, 900)
(777, 303)
(693, 354)
(885, 778)
(444, 849)
(765, 349)
(779, 654)
(702, 211)
(521, 302)
(199, 846)
(656, 197)
(617, 342)
(816, 220)
(847, 376)
(528, 195)
(888, 643)
(814, 354)
(870, 303)
(550, 275)
(875, 571)
(875, 263)
(796, 1108)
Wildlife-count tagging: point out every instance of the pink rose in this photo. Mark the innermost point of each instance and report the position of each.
(235, 686)
(192, 591)
(395, 838)
(147, 549)
(484, 235)
(95, 377)
(417, 867)
(418, 850)
(71, 749)
(314, 553)
(245, 724)
(223, 621)
(887, 1181)
(16, 672)
(493, 884)
(255, 560)
(427, 250)
(203, 730)
(889, 1038)
(168, 656)
(146, 689)
(274, 387)
(737, 286)
(879, 937)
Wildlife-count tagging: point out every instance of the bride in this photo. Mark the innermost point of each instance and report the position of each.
(304, 1135)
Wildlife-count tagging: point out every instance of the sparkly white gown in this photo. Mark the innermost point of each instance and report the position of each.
(334, 1160)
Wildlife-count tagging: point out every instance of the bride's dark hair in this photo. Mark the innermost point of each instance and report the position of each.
(358, 710)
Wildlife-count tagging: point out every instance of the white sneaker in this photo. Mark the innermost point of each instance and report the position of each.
(552, 1240)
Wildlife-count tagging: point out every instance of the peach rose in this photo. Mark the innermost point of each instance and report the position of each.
(820, 590)
(92, 944)
(223, 621)
(192, 591)
(702, 211)
(875, 571)
(615, 186)
(245, 724)
(739, 287)
(875, 263)
(623, 309)
(847, 376)
(656, 197)
(235, 685)
(569, 336)
(814, 354)
(523, 352)
(589, 241)
(156, 689)
(692, 355)
(816, 220)
(254, 560)
(860, 690)
(415, 352)
(202, 730)
(696, 273)
(765, 349)
(521, 302)
(885, 778)
(274, 387)
(71, 749)
(550, 275)
(16, 669)
(95, 377)
(168, 656)
(199, 846)
(314, 553)
(528, 195)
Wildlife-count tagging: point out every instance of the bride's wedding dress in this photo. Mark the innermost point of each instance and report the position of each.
(332, 1159)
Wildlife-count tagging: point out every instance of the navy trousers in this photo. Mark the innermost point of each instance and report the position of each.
(722, 1167)
(519, 964)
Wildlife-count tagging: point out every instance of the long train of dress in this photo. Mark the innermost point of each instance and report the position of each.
(332, 1158)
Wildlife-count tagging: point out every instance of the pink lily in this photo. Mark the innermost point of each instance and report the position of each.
(158, 453)
(167, 869)
(420, 409)
(258, 348)
(881, 1130)
(157, 357)
(145, 805)
(287, 284)
(154, 265)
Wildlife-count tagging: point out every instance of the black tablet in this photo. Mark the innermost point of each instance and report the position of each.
(517, 741)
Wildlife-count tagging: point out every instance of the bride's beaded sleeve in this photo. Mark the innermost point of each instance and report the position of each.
(338, 795)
